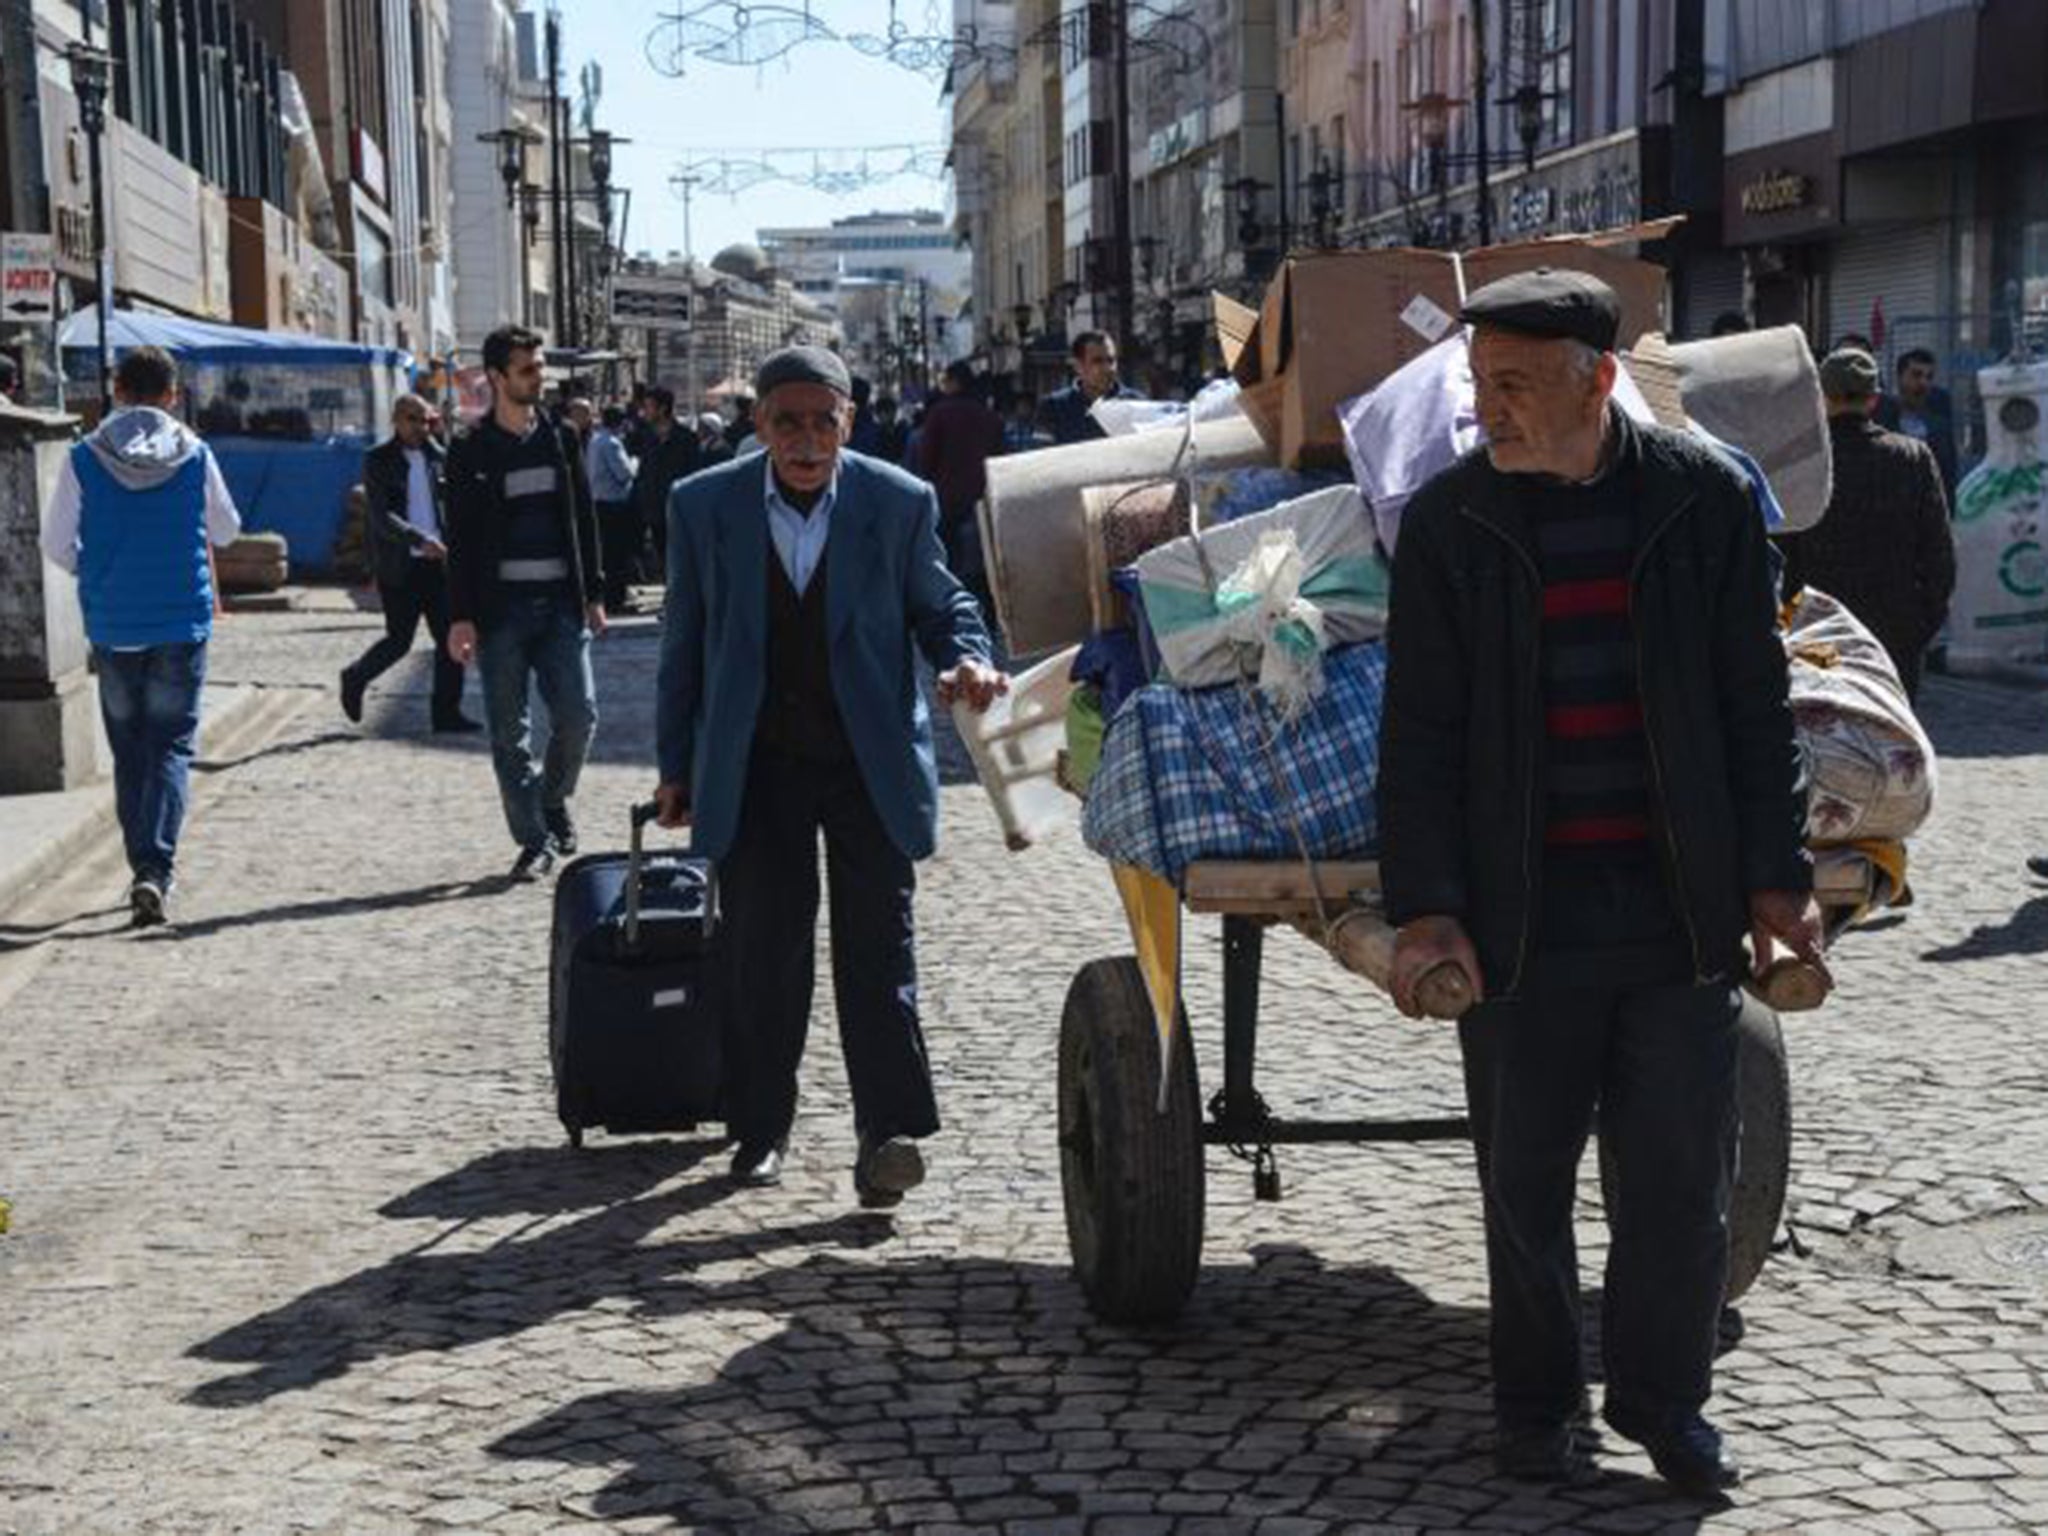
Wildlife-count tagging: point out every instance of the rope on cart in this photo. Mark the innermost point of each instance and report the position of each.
(1247, 690)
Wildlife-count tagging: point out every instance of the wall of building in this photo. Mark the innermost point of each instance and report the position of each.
(486, 257)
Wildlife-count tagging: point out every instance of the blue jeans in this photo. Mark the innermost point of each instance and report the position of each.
(149, 700)
(541, 637)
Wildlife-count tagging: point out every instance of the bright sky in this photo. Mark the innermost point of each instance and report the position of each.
(822, 93)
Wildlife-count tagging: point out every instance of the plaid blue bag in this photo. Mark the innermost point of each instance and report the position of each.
(1187, 774)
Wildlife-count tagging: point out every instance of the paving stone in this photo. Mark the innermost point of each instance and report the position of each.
(318, 1254)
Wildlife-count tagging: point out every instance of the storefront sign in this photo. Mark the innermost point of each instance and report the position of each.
(28, 280)
(1613, 199)
(1782, 191)
(1186, 134)
(1531, 209)
(1776, 192)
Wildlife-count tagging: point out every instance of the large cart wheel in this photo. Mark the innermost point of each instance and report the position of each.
(1131, 1174)
(1763, 1159)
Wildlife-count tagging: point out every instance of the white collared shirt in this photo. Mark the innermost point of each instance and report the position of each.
(419, 496)
(799, 540)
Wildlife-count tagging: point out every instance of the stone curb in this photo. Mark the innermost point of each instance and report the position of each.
(236, 717)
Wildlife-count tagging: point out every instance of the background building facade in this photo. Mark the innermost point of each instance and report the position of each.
(1867, 166)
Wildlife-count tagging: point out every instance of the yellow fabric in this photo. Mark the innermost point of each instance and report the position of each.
(1152, 908)
(1889, 855)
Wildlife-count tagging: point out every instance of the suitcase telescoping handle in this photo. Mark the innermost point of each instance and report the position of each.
(642, 814)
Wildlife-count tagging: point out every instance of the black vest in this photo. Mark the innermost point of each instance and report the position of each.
(799, 716)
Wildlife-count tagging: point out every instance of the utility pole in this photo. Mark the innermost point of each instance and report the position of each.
(90, 83)
(685, 183)
(556, 149)
(1120, 193)
(1479, 106)
(924, 330)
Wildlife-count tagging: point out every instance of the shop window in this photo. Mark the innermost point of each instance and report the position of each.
(373, 262)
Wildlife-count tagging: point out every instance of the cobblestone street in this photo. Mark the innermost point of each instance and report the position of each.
(297, 1243)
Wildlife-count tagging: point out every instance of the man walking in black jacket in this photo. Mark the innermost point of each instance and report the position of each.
(405, 488)
(526, 592)
(668, 452)
(1589, 793)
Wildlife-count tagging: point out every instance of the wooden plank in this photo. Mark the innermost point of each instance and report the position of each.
(1363, 943)
(1275, 888)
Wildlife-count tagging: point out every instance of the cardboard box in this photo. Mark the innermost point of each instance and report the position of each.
(1331, 326)
(1334, 324)
(1639, 284)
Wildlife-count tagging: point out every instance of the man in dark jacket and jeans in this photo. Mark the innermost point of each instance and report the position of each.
(668, 452)
(1589, 793)
(961, 434)
(526, 590)
(406, 493)
(1884, 548)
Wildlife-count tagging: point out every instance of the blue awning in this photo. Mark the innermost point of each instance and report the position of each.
(201, 341)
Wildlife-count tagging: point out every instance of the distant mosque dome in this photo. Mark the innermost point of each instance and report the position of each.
(745, 261)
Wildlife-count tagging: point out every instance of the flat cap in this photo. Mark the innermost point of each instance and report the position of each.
(802, 365)
(1848, 373)
(1548, 302)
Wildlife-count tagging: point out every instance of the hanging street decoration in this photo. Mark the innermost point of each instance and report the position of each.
(837, 171)
(739, 33)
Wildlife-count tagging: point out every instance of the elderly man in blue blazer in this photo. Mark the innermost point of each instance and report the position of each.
(798, 581)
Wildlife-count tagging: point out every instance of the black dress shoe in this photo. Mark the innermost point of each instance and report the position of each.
(561, 827)
(1544, 1453)
(351, 696)
(885, 1171)
(2038, 865)
(757, 1165)
(458, 725)
(1687, 1453)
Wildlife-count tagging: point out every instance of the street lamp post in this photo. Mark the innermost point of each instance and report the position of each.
(91, 72)
(1322, 205)
(1020, 323)
(1251, 230)
(1433, 116)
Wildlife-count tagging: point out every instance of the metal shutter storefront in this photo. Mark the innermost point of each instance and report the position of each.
(1710, 284)
(1901, 267)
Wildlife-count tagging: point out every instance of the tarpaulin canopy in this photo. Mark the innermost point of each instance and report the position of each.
(204, 341)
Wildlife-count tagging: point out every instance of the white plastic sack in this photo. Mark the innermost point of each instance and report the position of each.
(1870, 767)
(1420, 420)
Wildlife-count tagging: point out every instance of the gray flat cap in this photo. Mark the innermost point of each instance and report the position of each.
(802, 365)
(1548, 302)
(1848, 373)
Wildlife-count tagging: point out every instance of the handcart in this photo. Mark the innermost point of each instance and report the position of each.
(1133, 1124)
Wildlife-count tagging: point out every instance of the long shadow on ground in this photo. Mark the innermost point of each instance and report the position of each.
(929, 1386)
(981, 1391)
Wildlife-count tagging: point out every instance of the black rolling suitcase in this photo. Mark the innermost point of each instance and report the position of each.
(633, 1015)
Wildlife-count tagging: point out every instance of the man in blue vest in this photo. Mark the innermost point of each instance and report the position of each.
(788, 706)
(135, 506)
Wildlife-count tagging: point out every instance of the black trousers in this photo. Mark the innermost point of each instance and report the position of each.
(768, 890)
(1658, 1067)
(422, 595)
(620, 534)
